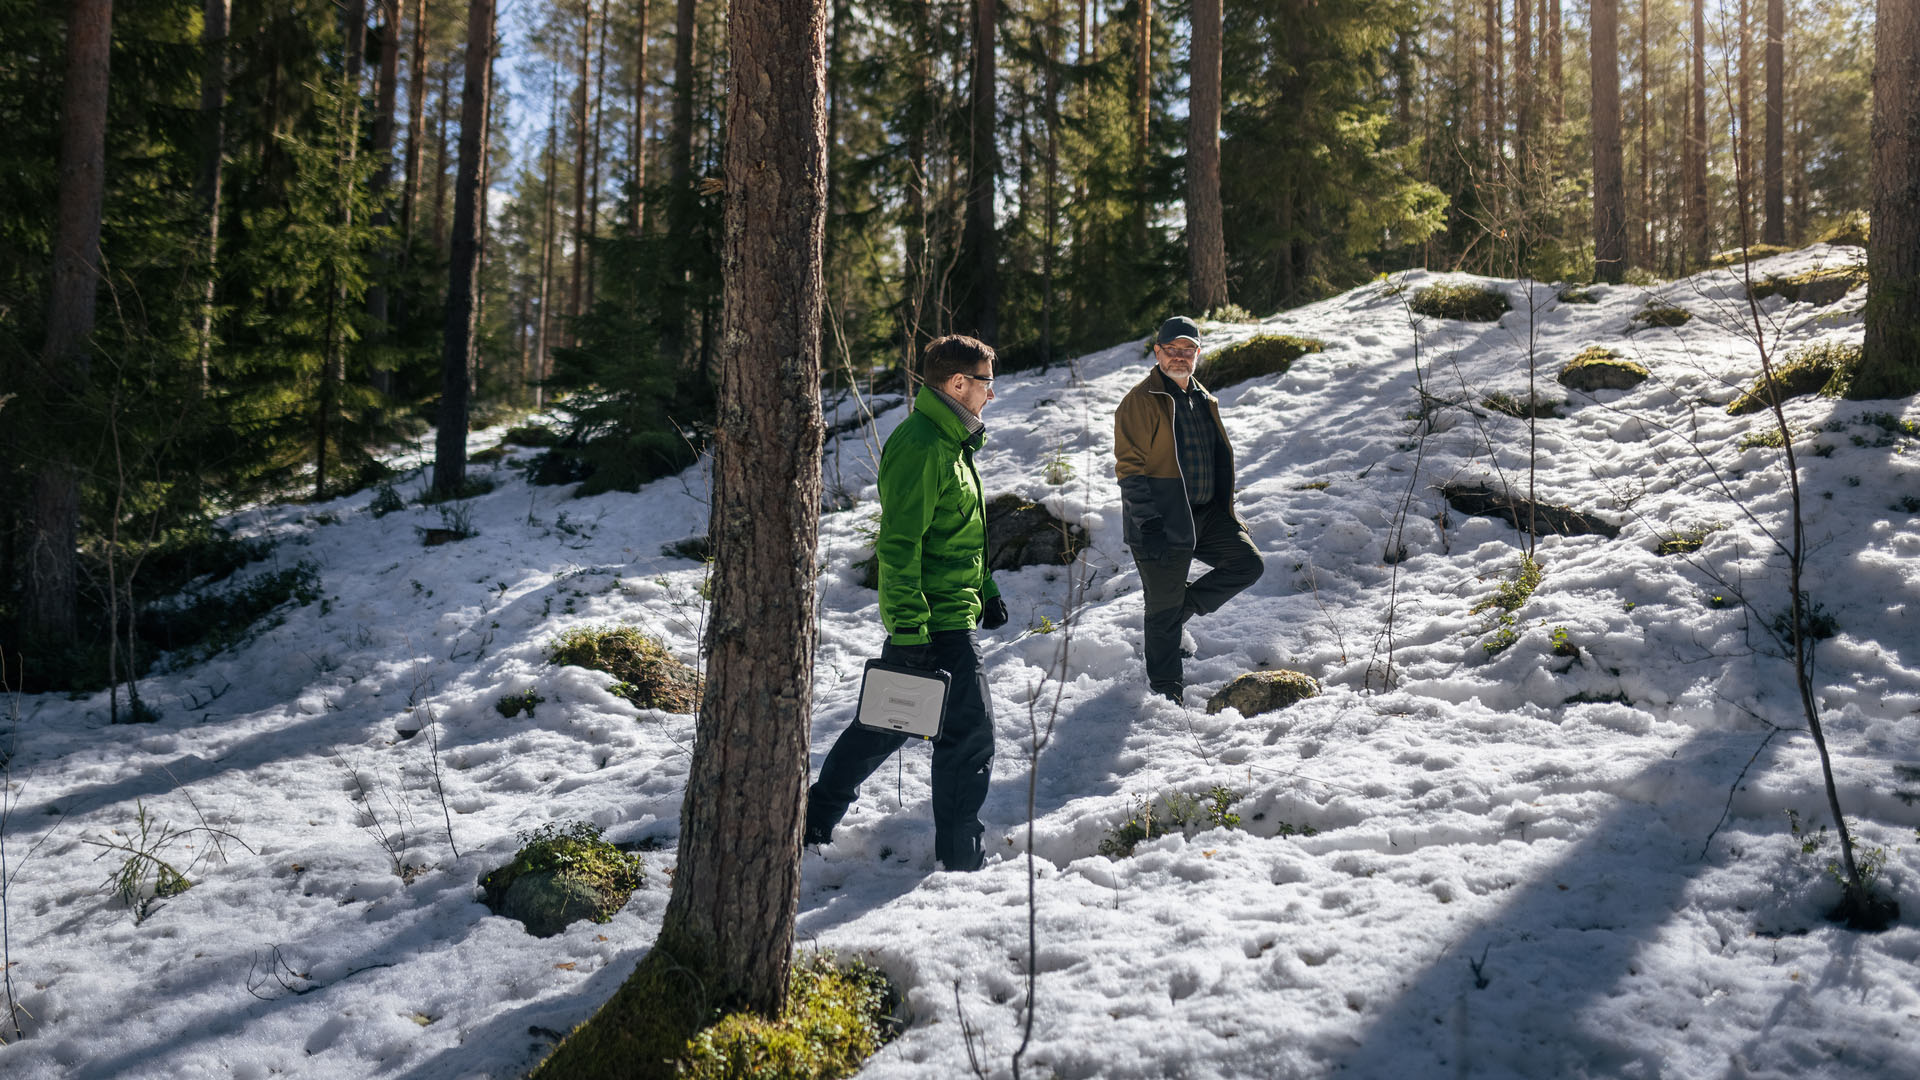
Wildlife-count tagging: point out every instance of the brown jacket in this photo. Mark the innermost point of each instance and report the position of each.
(1153, 494)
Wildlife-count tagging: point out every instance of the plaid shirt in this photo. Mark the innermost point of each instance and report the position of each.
(1196, 440)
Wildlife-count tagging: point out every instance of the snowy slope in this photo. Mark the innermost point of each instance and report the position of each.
(1509, 871)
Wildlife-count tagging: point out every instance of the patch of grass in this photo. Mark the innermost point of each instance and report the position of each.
(1058, 467)
(1662, 313)
(1254, 357)
(1463, 301)
(1578, 294)
(1689, 540)
(835, 1018)
(575, 848)
(649, 675)
(1173, 812)
(512, 705)
(1502, 402)
(1737, 256)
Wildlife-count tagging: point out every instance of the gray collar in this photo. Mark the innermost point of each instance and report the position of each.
(975, 425)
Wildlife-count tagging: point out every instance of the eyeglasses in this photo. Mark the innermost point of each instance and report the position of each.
(1180, 352)
(988, 379)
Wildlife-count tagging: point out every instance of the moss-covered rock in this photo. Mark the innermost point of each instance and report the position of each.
(1463, 301)
(650, 676)
(1600, 368)
(1578, 294)
(1535, 408)
(1251, 358)
(1259, 692)
(1662, 313)
(1022, 533)
(1820, 286)
(563, 874)
(1852, 230)
(1825, 369)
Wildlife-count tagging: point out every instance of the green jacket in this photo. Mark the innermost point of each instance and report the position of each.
(932, 545)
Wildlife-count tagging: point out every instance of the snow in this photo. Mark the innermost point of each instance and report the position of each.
(1517, 863)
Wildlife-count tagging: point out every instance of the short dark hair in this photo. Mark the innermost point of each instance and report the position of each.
(955, 354)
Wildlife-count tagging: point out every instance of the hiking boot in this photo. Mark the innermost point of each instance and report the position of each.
(1173, 692)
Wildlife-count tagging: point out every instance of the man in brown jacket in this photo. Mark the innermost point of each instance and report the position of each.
(1176, 490)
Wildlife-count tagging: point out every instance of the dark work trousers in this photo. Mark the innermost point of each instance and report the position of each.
(962, 758)
(1223, 544)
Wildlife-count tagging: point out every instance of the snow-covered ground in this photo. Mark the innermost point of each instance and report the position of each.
(1453, 863)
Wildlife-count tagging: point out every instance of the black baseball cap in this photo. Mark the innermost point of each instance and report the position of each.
(1176, 328)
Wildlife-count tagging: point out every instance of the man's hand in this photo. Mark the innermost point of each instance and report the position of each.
(913, 656)
(993, 614)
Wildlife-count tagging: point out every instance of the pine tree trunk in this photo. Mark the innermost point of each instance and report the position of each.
(1647, 257)
(1609, 195)
(980, 314)
(637, 137)
(682, 207)
(1554, 62)
(440, 160)
(334, 365)
(48, 597)
(469, 206)
(1699, 228)
(542, 351)
(416, 125)
(1489, 82)
(1890, 358)
(593, 167)
(582, 122)
(213, 138)
(383, 125)
(1206, 238)
(1522, 83)
(729, 924)
(1776, 195)
(1743, 140)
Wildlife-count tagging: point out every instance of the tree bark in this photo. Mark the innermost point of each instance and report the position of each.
(1775, 229)
(729, 921)
(334, 364)
(213, 138)
(682, 206)
(416, 124)
(1646, 158)
(593, 158)
(440, 160)
(48, 597)
(469, 206)
(980, 315)
(383, 124)
(1609, 194)
(1206, 237)
(1523, 62)
(1555, 69)
(581, 124)
(542, 352)
(1890, 357)
(637, 138)
(1699, 227)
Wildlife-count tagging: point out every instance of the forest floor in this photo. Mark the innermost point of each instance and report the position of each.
(1588, 841)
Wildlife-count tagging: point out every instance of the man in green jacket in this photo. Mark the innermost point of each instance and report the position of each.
(934, 587)
(1176, 491)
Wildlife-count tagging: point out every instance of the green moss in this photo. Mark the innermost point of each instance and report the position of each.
(1825, 369)
(835, 1018)
(1745, 255)
(661, 1024)
(1820, 285)
(1600, 368)
(1513, 591)
(575, 848)
(1661, 313)
(1769, 437)
(1578, 294)
(649, 675)
(1466, 302)
(1259, 355)
(1314, 485)
(1852, 229)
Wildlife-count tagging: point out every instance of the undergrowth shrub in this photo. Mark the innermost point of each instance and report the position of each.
(1173, 812)
(1689, 540)
(835, 1018)
(1507, 598)
(1464, 301)
(213, 620)
(650, 676)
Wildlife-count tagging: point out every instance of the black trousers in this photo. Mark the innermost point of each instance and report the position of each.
(1222, 543)
(962, 758)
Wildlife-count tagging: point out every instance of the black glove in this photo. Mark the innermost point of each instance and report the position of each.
(993, 614)
(913, 656)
